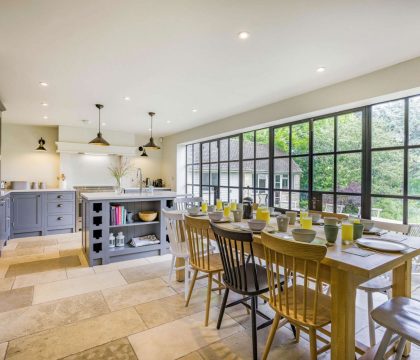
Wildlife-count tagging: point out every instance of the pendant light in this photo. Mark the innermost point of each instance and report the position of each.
(143, 151)
(99, 140)
(41, 143)
(151, 144)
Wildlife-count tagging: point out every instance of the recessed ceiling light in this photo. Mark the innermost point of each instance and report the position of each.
(168, 121)
(104, 124)
(243, 35)
(45, 117)
(43, 83)
(127, 98)
(150, 129)
(44, 104)
(194, 110)
(320, 69)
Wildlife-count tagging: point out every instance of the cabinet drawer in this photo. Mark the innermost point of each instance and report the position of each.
(61, 196)
(57, 221)
(60, 207)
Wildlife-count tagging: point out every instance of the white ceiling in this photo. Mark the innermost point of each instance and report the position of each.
(175, 55)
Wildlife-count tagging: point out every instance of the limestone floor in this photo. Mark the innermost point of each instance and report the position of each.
(53, 306)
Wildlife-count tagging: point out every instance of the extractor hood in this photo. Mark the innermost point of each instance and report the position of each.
(82, 148)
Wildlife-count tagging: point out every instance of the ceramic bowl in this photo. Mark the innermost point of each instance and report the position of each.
(257, 225)
(193, 210)
(303, 235)
(315, 217)
(330, 221)
(216, 215)
(148, 215)
(368, 224)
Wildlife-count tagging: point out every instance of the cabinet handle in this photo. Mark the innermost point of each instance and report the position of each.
(60, 218)
(59, 196)
(60, 205)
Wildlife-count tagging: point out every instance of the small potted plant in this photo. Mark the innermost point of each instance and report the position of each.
(118, 171)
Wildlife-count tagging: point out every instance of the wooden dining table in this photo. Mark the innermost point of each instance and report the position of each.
(344, 272)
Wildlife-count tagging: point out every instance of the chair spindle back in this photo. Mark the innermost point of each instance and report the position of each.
(198, 231)
(175, 227)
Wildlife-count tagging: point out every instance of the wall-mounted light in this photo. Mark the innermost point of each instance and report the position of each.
(41, 143)
(143, 151)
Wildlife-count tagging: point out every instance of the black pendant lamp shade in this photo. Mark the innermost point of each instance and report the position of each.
(99, 140)
(151, 144)
(41, 143)
(143, 151)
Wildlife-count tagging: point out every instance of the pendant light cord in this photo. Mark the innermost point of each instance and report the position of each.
(151, 126)
(99, 120)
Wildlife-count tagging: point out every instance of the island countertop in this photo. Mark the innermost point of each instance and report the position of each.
(129, 196)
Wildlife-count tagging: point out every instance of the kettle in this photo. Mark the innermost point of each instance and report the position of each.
(247, 210)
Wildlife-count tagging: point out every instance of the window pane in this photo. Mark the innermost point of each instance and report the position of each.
(224, 150)
(196, 153)
(281, 199)
(248, 174)
(205, 148)
(262, 174)
(205, 174)
(349, 131)
(224, 174)
(248, 145)
(300, 173)
(281, 141)
(262, 141)
(196, 191)
(349, 173)
(388, 124)
(234, 148)
(189, 190)
(349, 204)
(262, 197)
(414, 121)
(224, 194)
(414, 211)
(196, 175)
(300, 138)
(281, 173)
(233, 195)
(388, 172)
(189, 154)
(414, 172)
(214, 175)
(323, 135)
(206, 194)
(189, 174)
(328, 202)
(234, 174)
(387, 209)
(299, 201)
(323, 179)
(214, 152)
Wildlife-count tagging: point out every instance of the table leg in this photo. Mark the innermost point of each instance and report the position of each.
(180, 274)
(401, 286)
(343, 298)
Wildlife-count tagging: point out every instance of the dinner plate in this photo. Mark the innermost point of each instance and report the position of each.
(222, 221)
(381, 245)
(198, 214)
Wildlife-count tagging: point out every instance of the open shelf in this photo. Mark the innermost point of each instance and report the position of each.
(136, 223)
(117, 251)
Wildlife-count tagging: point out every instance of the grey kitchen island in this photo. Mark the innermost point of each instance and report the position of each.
(98, 223)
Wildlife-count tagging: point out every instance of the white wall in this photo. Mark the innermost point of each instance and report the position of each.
(398, 80)
(20, 161)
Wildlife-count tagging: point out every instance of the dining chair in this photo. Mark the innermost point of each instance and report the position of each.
(175, 228)
(400, 317)
(202, 259)
(242, 276)
(303, 305)
(182, 203)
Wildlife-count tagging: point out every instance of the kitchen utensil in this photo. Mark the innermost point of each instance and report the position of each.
(315, 217)
(237, 215)
(257, 225)
(282, 222)
(357, 231)
(148, 216)
(247, 210)
(368, 224)
(216, 215)
(304, 235)
(331, 232)
(330, 220)
(193, 210)
(381, 245)
(292, 217)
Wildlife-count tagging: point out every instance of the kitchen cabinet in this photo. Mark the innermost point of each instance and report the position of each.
(26, 213)
(4, 220)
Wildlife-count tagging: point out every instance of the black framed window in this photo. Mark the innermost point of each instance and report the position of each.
(193, 165)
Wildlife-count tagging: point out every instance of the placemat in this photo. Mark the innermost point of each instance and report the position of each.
(358, 251)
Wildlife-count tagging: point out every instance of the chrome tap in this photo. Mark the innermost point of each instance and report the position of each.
(140, 178)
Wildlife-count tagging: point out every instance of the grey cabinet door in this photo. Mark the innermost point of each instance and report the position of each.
(26, 212)
(3, 224)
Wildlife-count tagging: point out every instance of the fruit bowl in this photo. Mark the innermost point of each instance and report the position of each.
(148, 216)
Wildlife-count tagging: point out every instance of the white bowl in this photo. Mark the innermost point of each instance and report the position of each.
(216, 215)
(315, 217)
(257, 225)
(193, 210)
(368, 224)
(304, 235)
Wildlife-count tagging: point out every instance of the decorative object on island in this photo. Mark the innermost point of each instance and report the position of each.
(143, 151)
(118, 215)
(144, 240)
(41, 143)
(151, 144)
(118, 171)
(111, 240)
(99, 140)
(120, 240)
(148, 216)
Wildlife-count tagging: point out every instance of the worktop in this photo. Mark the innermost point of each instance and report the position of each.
(6, 192)
(144, 195)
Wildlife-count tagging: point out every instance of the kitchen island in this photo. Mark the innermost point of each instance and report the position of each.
(107, 213)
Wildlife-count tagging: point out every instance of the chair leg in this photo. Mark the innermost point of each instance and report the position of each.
(222, 308)
(219, 278)
(297, 334)
(186, 277)
(400, 348)
(271, 335)
(210, 278)
(372, 335)
(383, 345)
(191, 287)
(312, 343)
(171, 268)
(254, 300)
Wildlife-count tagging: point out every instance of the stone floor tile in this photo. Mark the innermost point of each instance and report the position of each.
(119, 265)
(16, 298)
(136, 293)
(79, 272)
(195, 355)
(158, 258)
(6, 284)
(3, 349)
(75, 338)
(34, 244)
(39, 278)
(76, 286)
(145, 272)
(32, 319)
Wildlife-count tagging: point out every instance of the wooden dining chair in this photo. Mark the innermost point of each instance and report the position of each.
(175, 228)
(202, 259)
(182, 203)
(301, 304)
(241, 275)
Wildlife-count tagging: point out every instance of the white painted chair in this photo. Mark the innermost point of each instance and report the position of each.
(175, 228)
(182, 203)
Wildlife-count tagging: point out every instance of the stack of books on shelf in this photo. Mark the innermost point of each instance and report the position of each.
(118, 215)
